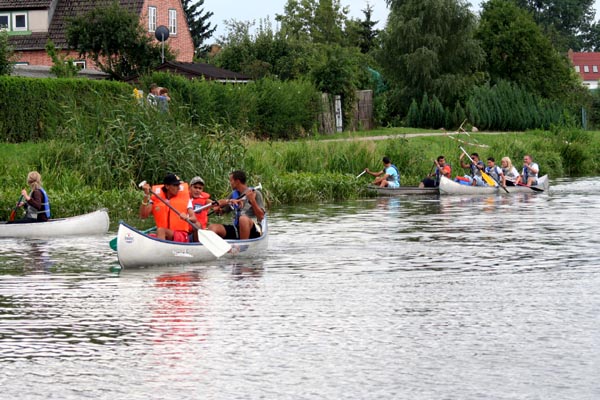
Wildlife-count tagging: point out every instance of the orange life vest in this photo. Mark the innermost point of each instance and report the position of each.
(163, 215)
(201, 216)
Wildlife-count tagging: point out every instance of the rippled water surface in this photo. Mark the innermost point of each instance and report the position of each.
(416, 298)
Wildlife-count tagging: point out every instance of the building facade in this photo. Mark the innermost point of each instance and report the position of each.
(30, 23)
(587, 65)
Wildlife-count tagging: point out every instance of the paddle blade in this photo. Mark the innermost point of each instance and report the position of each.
(213, 242)
(12, 215)
(488, 179)
(535, 189)
(113, 244)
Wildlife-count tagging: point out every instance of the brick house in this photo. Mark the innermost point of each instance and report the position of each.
(587, 65)
(30, 23)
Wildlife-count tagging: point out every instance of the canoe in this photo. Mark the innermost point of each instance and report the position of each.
(448, 186)
(136, 249)
(404, 190)
(94, 223)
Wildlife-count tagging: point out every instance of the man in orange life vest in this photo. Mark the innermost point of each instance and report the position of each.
(170, 225)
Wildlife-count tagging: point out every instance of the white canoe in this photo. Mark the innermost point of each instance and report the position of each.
(404, 190)
(448, 186)
(136, 249)
(94, 223)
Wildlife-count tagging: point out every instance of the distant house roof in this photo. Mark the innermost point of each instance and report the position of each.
(42, 71)
(64, 10)
(24, 4)
(200, 70)
(586, 64)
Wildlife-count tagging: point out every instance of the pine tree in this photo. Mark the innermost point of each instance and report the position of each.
(197, 20)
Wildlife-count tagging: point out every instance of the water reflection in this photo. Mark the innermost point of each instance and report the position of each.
(364, 299)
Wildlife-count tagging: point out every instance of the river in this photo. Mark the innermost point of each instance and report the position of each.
(389, 298)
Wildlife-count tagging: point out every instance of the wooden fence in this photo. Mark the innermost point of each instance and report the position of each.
(362, 115)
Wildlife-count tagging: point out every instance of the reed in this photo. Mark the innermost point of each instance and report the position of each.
(100, 159)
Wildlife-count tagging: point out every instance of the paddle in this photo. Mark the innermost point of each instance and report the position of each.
(361, 174)
(213, 242)
(13, 213)
(113, 241)
(535, 189)
(488, 179)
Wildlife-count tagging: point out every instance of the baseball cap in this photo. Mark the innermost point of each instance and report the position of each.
(197, 179)
(171, 179)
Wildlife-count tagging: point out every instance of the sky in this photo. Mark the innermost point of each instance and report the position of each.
(248, 10)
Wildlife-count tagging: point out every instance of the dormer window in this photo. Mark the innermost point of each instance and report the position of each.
(586, 68)
(577, 69)
(595, 68)
(19, 22)
(5, 21)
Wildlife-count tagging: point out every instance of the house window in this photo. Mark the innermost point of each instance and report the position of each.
(151, 19)
(80, 64)
(19, 22)
(595, 68)
(586, 68)
(5, 21)
(173, 22)
(577, 69)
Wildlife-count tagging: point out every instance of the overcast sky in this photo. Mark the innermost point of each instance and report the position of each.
(248, 10)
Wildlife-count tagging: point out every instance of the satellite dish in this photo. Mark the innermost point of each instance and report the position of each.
(162, 33)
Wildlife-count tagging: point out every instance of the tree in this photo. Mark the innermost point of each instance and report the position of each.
(318, 21)
(591, 39)
(362, 33)
(265, 53)
(565, 22)
(428, 47)
(115, 40)
(197, 21)
(518, 51)
(6, 54)
(62, 66)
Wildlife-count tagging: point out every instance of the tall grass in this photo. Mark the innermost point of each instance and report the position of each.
(100, 160)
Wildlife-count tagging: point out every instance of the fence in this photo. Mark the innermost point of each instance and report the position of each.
(362, 114)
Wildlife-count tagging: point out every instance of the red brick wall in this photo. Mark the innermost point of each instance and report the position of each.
(181, 43)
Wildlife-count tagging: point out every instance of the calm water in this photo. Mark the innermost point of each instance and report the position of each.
(412, 298)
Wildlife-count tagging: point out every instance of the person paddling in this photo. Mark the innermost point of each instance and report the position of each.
(170, 225)
(475, 167)
(529, 175)
(198, 199)
(249, 208)
(510, 172)
(36, 202)
(442, 169)
(389, 176)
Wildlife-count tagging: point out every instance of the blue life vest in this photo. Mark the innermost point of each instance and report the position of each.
(474, 170)
(45, 203)
(238, 211)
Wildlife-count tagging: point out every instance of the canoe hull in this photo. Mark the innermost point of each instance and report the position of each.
(94, 223)
(449, 187)
(404, 190)
(136, 249)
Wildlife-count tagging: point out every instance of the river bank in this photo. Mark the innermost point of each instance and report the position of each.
(303, 171)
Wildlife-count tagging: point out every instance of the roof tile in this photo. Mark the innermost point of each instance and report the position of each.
(24, 4)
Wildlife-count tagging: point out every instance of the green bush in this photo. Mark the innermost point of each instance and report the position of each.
(36, 109)
(268, 108)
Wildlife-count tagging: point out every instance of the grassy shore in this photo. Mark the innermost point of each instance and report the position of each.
(308, 170)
